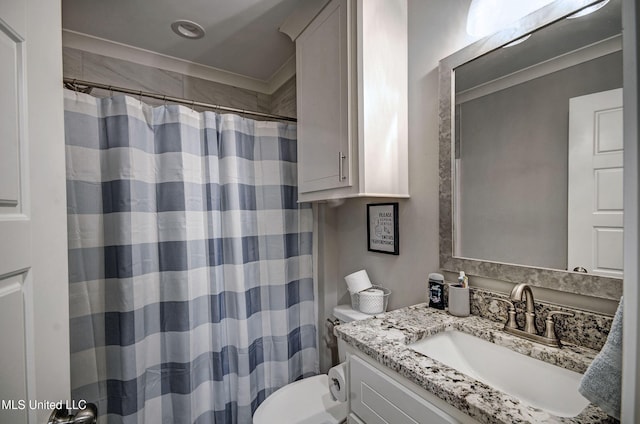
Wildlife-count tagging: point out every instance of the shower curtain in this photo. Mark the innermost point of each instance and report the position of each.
(190, 266)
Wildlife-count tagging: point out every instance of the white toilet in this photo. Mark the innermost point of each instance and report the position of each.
(308, 401)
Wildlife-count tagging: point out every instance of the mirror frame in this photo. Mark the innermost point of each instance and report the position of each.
(572, 282)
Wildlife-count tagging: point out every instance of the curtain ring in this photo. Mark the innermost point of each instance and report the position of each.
(74, 87)
(110, 88)
(193, 102)
(140, 97)
(164, 98)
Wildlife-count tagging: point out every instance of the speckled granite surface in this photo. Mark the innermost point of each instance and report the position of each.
(588, 329)
(385, 339)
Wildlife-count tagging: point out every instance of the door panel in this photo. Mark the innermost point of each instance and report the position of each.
(11, 72)
(595, 183)
(13, 368)
(34, 316)
(15, 227)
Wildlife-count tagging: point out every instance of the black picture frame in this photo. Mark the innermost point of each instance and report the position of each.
(382, 228)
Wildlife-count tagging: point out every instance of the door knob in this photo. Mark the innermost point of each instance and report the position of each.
(87, 415)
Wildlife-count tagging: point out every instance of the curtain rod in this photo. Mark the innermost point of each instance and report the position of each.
(82, 86)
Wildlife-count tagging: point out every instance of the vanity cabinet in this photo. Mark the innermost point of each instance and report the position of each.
(378, 395)
(378, 399)
(351, 75)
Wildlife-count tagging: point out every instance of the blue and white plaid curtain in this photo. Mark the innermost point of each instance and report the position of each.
(191, 291)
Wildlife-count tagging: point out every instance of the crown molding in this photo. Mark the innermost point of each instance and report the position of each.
(282, 75)
(301, 17)
(104, 47)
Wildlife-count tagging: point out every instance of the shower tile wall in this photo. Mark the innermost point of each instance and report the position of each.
(106, 70)
(283, 101)
(72, 62)
(216, 93)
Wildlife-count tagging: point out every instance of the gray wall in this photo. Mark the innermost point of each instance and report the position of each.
(513, 159)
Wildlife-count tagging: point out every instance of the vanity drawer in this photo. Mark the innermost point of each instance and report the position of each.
(378, 399)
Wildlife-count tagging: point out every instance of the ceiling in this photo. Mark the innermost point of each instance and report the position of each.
(241, 37)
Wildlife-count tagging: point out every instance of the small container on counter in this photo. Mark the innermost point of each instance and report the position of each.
(459, 304)
(436, 291)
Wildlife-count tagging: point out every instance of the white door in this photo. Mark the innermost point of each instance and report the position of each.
(34, 316)
(595, 183)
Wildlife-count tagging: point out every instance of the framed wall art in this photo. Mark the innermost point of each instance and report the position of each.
(382, 228)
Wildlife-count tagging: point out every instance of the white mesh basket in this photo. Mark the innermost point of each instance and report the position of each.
(356, 300)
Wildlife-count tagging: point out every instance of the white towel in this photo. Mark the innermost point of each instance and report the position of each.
(602, 382)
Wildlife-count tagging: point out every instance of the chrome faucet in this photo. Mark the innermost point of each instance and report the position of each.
(523, 292)
(517, 294)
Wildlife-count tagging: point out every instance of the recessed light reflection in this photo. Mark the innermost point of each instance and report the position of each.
(588, 10)
(518, 41)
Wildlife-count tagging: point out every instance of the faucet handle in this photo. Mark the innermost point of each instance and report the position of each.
(550, 328)
(511, 320)
(511, 305)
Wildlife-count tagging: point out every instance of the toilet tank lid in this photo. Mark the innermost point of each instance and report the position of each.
(346, 313)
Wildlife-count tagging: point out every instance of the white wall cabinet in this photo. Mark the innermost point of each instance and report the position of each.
(352, 101)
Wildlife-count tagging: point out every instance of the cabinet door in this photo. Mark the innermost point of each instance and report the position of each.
(323, 83)
(378, 399)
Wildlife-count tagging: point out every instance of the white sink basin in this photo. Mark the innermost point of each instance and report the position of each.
(533, 382)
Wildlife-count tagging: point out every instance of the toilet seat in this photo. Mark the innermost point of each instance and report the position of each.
(307, 401)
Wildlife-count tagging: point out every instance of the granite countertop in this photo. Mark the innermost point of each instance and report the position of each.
(385, 338)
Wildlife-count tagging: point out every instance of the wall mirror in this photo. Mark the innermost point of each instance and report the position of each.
(531, 152)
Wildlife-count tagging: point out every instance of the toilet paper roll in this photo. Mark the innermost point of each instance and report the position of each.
(358, 281)
(338, 383)
(371, 301)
